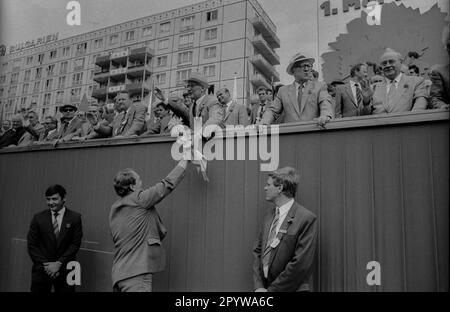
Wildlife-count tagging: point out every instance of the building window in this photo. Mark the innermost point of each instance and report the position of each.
(37, 85)
(98, 43)
(77, 79)
(147, 31)
(185, 57)
(25, 88)
(1, 92)
(47, 98)
(81, 48)
(209, 71)
(75, 93)
(2, 79)
(62, 82)
(78, 64)
(161, 61)
(23, 101)
(183, 75)
(63, 68)
(29, 60)
(186, 40)
(113, 39)
(163, 44)
(34, 100)
(52, 54)
(129, 35)
(38, 73)
(164, 27)
(91, 75)
(187, 23)
(65, 51)
(40, 58)
(161, 78)
(211, 34)
(15, 78)
(211, 16)
(12, 91)
(210, 52)
(48, 84)
(59, 97)
(50, 70)
(27, 75)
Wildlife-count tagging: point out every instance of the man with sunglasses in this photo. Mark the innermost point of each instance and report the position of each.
(398, 92)
(70, 123)
(304, 99)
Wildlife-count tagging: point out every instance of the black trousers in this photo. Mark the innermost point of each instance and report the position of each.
(41, 282)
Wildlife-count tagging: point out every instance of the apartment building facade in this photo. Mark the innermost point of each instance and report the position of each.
(221, 39)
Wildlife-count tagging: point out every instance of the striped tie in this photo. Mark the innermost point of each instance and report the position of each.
(55, 224)
(272, 235)
(359, 97)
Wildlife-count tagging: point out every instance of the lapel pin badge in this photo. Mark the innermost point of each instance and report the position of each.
(68, 225)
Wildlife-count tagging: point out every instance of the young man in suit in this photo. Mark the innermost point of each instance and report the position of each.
(304, 99)
(54, 239)
(398, 92)
(137, 229)
(285, 248)
(260, 106)
(235, 114)
(130, 120)
(349, 98)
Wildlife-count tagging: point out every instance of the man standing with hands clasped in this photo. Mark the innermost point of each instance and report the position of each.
(285, 248)
(53, 241)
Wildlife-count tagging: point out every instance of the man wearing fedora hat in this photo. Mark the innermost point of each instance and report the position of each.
(70, 123)
(302, 100)
(203, 106)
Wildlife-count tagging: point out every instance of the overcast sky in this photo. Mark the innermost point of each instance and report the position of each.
(22, 20)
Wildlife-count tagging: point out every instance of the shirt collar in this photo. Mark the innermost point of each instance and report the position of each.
(200, 99)
(297, 85)
(396, 79)
(285, 208)
(61, 211)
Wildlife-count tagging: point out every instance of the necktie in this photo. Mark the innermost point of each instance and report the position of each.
(359, 97)
(391, 93)
(121, 126)
(299, 98)
(55, 224)
(261, 111)
(272, 235)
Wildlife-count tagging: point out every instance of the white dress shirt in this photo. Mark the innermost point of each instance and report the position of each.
(59, 218)
(396, 81)
(353, 87)
(297, 85)
(197, 103)
(283, 213)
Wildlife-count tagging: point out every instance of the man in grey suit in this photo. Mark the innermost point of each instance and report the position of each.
(398, 92)
(285, 249)
(349, 98)
(130, 120)
(235, 114)
(440, 80)
(304, 99)
(137, 229)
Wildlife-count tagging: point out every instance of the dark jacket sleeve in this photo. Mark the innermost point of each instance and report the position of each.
(257, 272)
(298, 269)
(180, 110)
(138, 120)
(33, 243)
(75, 244)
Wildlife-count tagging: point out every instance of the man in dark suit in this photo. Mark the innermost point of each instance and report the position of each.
(13, 135)
(137, 229)
(159, 124)
(285, 248)
(235, 114)
(70, 123)
(349, 98)
(53, 241)
(440, 78)
(260, 106)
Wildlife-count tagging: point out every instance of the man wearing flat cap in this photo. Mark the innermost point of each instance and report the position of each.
(203, 106)
(398, 92)
(302, 100)
(70, 124)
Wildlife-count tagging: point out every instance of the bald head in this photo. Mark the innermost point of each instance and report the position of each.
(223, 95)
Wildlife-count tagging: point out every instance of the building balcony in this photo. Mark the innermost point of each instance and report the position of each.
(116, 88)
(118, 73)
(102, 61)
(137, 87)
(265, 67)
(101, 76)
(139, 70)
(268, 32)
(99, 93)
(261, 45)
(259, 80)
(139, 54)
(120, 57)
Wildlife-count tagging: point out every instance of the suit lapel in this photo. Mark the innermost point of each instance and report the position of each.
(63, 229)
(267, 224)
(283, 230)
(49, 224)
(230, 109)
(382, 89)
(292, 94)
(306, 92)
(348, 89)
(399, 92)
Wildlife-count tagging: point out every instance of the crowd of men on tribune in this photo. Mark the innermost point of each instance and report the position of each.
(394, 87)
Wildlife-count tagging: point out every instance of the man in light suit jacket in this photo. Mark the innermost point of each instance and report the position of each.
(203, 106)
(235, 114)
(398, 92)
(130, 120)
(304, 99)
(285, 249)
(137, 229)
(439, 75)
(53, 241)
(70, 124)
(349, 98)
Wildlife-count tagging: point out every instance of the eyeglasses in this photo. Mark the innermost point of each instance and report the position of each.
(388, 62)
(68, 110)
